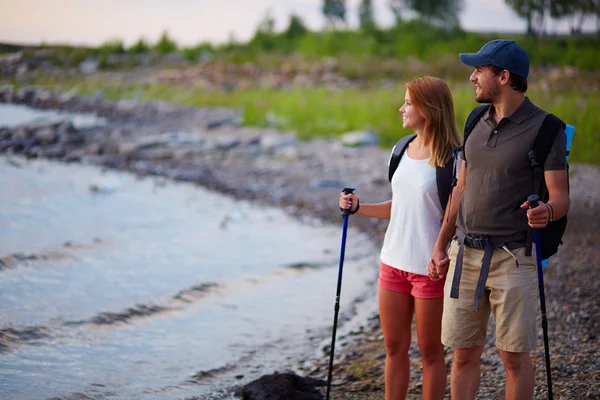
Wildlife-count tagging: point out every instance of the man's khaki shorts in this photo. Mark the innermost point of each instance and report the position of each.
(511, 295)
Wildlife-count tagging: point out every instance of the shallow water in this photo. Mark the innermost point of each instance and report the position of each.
(142, 288)
(16, 114)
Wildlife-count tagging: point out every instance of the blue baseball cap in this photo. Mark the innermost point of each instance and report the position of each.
(505, 54)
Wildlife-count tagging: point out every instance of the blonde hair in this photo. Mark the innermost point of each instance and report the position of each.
(432, 98)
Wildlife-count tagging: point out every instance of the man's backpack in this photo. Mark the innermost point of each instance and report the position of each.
(551, 235)
(445, 176)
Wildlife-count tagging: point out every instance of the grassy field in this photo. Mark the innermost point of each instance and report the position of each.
(321, 111)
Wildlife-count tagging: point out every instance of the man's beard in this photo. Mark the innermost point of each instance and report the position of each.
(487, 97)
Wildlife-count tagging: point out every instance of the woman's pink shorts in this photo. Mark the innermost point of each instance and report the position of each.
(419, 286)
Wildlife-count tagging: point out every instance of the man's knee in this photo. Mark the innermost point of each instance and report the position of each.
(515, 362)
(467, 356)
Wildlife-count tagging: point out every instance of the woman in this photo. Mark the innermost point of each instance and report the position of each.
(415, 214)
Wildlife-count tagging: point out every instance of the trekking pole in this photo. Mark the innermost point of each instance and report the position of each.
(345, 213)
(533, 201)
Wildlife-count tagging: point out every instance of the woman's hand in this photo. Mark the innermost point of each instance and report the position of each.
(437, 268)
(348, 201)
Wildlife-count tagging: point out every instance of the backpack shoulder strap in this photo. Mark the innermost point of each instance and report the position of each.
(397, 153)
(472, 120)
(444, 177)
(545, 137)
(537, 157)
(541, 149)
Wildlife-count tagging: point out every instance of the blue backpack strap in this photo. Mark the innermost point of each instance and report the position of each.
(472, 120)
(397, 153)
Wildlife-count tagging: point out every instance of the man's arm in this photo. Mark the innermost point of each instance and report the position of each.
(556, 178)
(558, 201)
(438, 265)
(558, 189)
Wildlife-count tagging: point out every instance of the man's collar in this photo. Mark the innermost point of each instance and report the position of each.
(517, 116)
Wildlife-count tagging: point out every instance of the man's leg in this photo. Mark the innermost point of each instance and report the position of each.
(465, 376)
(514, 302)
(519, 375)
(462, 327)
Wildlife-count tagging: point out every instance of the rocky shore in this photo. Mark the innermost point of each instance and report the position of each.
(208, 147)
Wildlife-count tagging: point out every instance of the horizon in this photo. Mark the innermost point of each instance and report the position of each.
(187, 23)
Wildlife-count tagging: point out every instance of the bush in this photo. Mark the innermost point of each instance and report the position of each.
(165, 44)
(140, 47)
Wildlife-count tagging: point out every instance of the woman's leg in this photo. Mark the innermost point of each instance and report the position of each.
(396, 313)
(429, 331)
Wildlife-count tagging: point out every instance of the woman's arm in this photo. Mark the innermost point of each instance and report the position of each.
(378, 210)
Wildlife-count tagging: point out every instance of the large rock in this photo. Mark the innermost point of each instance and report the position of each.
(286, 386)
(46, 135)
(359, 138)
(272, 142)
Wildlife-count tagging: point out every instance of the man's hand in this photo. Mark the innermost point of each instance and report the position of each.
(537, 217)
(437, 268)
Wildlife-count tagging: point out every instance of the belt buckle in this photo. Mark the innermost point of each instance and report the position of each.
(476, 243)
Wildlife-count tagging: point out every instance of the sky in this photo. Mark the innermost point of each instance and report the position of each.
(189, 22)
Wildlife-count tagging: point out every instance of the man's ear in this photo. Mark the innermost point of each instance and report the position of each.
(504, 77)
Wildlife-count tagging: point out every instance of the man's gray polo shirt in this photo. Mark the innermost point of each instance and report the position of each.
(499, 176)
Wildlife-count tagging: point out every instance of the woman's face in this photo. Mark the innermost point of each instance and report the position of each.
(411, 119)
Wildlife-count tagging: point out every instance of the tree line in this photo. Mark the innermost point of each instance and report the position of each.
(446, 12)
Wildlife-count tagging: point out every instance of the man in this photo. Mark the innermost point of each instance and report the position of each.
(490, 212)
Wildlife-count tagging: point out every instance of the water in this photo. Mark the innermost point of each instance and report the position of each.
(16, 114)
(146, 289)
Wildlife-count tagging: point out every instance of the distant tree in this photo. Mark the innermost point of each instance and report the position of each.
(532, 10)
(597, 13)
(296, 28)
(536, 12)
(267, 24)
(334, 11)
(264, 37)
(365, 15)
(579, 10)
(396, 8)
(112, 47)
(165, 44)
(139, 47)
(441, 12)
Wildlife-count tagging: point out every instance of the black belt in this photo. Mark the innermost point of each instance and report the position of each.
(488, 244)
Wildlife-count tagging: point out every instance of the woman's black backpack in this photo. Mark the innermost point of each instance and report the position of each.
(445, 176)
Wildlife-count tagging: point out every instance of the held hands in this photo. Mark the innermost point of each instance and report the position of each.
(437, 268)
(537, 217)
(348, 202)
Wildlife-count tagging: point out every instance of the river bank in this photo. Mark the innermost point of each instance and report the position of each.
(207, 147)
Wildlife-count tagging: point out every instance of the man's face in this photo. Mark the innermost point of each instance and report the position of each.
(487, 85)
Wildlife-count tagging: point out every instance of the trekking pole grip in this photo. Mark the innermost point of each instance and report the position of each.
(533, 200)
(346, 211)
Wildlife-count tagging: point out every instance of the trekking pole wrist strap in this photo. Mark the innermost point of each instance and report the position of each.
(357, 206)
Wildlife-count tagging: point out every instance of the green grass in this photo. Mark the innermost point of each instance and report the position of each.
(312, 112)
